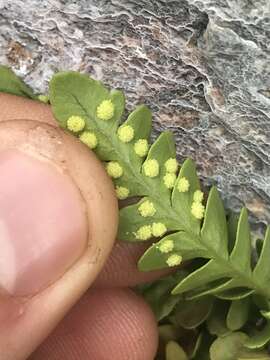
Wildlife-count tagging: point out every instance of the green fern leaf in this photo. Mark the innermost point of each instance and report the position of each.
(158, 294)
(232, 279)
(228, 347)
(214, 232)
(175, 352)
(238, 314)
(208, 273)
(182, 201)
(235, 291)
(261, 270)
(259, 339)
(241, 252)
(232, 229)
(191, 314)
(170, 208)
(216, 322)
(12, 84)
(184, 245)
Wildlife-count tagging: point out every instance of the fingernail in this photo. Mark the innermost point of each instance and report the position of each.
(43, 226)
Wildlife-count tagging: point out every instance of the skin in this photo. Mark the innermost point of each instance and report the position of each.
(108, 321)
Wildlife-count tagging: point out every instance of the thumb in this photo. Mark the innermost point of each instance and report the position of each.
(58, 221)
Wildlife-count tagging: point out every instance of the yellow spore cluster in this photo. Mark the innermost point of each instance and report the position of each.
(166, 246)
(75, 123)
(174, 260)
(114, 169)
(151, 168)
(89, 139)
(121, 192)
(147, 208)
(141, 147)
(125, 133)
(183, 185)
(105, 110)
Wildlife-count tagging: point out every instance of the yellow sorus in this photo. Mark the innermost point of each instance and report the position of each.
(122, 192)
(183, 185)
(89, 139)
(147, 208)
(114, 169)
(105, 110)
(166, 246)
(125, 133)
(144, 232)
(171, 165)
(158, 229)
(75, 123)
(151, 168)
(198, 196)
(174, 260)
(197, 210)
(169, 180)
(141, 147)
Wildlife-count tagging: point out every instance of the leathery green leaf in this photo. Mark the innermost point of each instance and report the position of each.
(12, 84)
(182, 201)
(131, 219)
(182, 244)
(238, 314)
(158, 294)
(232, 229)
(190, 314)
(161, 150)
(261, 271)
(241, 252)
(259, 339)
(209, 272)
(214, 231)
(228, 347)
(216, 322)
(141, 121)
(175, 352)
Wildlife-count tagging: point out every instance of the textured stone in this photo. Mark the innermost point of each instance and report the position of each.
(202, 66)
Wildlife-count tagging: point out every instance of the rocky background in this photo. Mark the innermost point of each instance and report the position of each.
(202, 66)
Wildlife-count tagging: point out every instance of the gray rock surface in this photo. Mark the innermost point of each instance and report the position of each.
(203, 66)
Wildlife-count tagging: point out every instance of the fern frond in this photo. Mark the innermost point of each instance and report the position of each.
(168, 209)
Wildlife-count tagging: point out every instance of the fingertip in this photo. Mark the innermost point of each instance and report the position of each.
(121, 268)
(113, 324)
(25, 109)
(44, 294)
